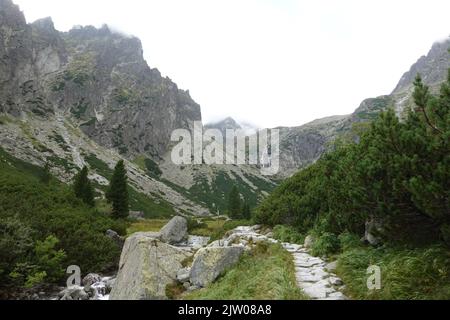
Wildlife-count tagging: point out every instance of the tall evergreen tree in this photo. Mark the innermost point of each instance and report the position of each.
(118, 192)
(82, 187)
(234, 203)
(246, 211)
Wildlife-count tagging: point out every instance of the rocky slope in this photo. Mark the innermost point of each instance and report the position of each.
(303, 145)
(88, 97)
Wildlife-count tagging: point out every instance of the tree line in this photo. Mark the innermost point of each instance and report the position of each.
(117, 193)
(394, 174)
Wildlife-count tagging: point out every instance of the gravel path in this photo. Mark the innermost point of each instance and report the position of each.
(313, 276)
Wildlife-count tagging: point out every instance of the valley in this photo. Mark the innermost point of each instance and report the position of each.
(353, 191)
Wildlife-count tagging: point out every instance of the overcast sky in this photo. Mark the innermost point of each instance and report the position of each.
(269, 62)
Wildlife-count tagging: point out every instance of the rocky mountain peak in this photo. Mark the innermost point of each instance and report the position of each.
(10, 14)
(223, 125)
(432, 67)
(44, 24)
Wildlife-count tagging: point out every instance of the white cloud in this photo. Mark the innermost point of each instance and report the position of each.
(270, 62)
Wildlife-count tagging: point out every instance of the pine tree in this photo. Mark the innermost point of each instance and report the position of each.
(234, 203)
(118, 193)
(82, 187)
(246, 211)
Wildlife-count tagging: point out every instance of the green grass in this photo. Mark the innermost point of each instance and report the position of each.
(406, 274)
(153, 225)
(266, 273)
(288, 234)
(216, 229)
(149, 166)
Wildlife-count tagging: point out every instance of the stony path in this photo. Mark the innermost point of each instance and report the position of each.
(313, 276)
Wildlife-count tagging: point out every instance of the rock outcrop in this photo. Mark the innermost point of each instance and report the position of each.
(175, 231)
(98, 76)
(146, 267)
(210, 263)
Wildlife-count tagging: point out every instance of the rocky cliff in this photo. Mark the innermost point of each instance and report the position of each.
(96, 76)
(88, 97)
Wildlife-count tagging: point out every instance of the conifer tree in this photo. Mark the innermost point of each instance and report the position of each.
(246, 212)
(82, 187)
(234, 203)
(118, 192)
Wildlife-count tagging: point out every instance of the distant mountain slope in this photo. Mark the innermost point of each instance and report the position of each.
(303, 145)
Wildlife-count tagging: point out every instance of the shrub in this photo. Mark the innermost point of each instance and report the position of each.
(194, 223)
(50, 230)
(326, 244)
(349, 241)
(288, 234)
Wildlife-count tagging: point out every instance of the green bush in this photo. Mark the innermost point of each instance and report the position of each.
(194, 223)
(45, 228)
(325, 244)
(288, 234)
(349, 241)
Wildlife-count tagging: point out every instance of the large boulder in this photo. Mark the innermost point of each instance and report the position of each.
(209, 263)
(175, 231)
(114, 236)
(146, 267)
(374, 228)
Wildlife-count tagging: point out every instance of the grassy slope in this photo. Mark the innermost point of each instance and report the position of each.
(152, 208)
(267, 273)
(53, 210)
(405, 274)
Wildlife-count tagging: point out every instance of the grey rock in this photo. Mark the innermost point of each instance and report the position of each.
(193, 288)
(146, 267)
(183, 275)
(335, 281)
(186, 285)
(174, 231)
(309, 242)
(373, 228)
(210, 263)
(90, 279)
(74, 293)
(331, 266)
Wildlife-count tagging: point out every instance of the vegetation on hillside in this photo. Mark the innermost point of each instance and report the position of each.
(117, 193)
(82, 187)
(45, 228)
(266, 273)
(397, 176)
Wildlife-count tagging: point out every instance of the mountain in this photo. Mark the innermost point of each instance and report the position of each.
(301, 146)
(223, 125)
(88, 97)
